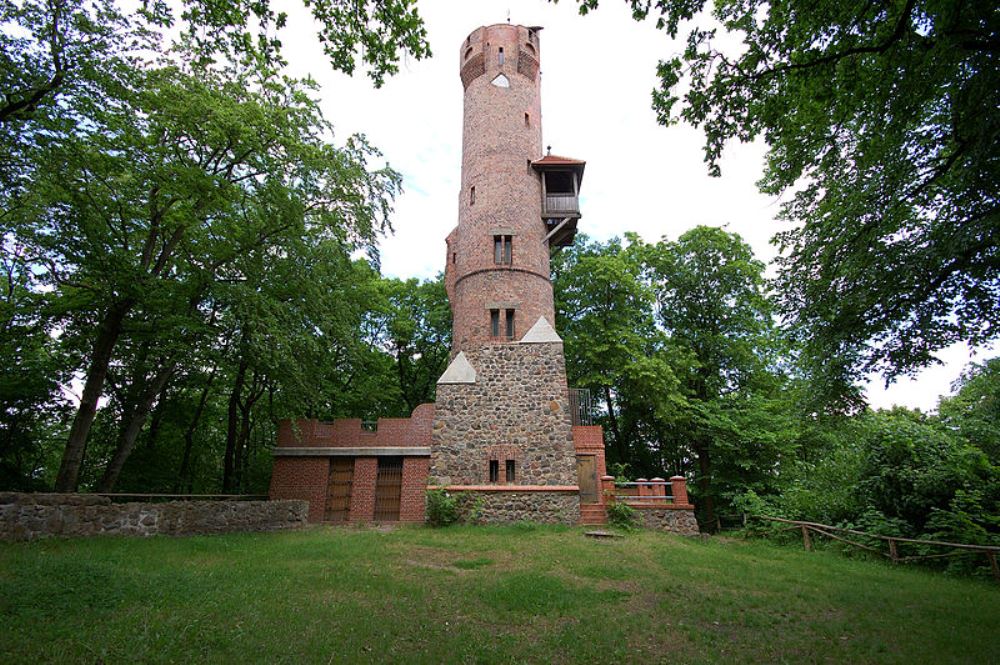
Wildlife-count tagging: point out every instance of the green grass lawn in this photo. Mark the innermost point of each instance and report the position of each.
(478, 594)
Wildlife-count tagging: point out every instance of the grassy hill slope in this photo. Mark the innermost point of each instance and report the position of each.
(510, 594)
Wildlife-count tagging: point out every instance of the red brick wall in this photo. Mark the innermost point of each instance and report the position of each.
(497, 145)
(414, 431)
(363, 489)
(411, 505)
(589, 440)
(302, 478)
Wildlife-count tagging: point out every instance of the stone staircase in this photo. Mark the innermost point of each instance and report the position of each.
(593, 513)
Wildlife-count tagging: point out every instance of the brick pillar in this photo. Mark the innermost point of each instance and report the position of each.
(607, 489)
(363, 489)
(411, 501)
(659, 490)
(643, 488)
(679, 490)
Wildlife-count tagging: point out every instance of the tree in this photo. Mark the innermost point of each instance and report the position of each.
(881, 119)
(136, 216)
(711, 301)
(613, 348)
(975, 408)
(418, 337)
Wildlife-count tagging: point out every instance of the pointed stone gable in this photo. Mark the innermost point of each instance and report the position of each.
(459, 371)
(541, 333)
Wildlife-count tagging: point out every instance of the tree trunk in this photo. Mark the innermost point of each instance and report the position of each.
(108, 331)
(132, 423)
(232, 428)
(619, 444)
(705, 499)
(184, 475)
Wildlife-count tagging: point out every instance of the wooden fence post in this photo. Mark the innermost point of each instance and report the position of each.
(805, 539)
(893, 553)
(993, 564)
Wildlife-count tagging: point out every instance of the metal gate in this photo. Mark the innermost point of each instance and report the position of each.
(338, 491)
(388, 488)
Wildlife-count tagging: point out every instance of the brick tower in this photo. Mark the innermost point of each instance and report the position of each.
(503, 426)
(504, 430)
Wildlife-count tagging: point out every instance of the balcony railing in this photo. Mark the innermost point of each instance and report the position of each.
(580, 407)
(561, 204)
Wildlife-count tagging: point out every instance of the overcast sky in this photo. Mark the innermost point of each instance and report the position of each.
(598, 72)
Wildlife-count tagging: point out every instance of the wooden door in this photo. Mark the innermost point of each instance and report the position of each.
(388, 488)
(338, 491)
(586, 475)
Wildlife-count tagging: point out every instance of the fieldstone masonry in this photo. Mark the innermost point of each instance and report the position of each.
(668, 518)
(519, 401)
(31, 516)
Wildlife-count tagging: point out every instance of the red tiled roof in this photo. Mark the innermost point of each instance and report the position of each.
(556, 160)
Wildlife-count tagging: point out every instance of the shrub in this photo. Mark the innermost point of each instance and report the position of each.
(622, 516)
(442, 508)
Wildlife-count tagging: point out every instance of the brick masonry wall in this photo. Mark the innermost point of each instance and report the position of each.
(498, 142)
(302, 478)
(363, 489)
(412, 499)
(673, 520)
(414, 431)
(31, 516)
(519, 400)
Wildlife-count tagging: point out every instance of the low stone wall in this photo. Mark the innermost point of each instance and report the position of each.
(535, 506)
(30, 516)
(665, 518)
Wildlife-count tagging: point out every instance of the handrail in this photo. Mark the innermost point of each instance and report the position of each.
(643, 483)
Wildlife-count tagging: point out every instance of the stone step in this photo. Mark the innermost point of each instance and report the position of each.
(593, 514)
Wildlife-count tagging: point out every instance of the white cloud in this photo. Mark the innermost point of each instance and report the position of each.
(598, 73)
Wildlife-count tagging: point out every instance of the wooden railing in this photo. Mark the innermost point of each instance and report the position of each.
(892, 542)
(556, 204)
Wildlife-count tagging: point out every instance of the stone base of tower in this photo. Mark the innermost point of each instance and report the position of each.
(488, 505)
(503, 433)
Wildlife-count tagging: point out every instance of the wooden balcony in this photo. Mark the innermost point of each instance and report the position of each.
(561, 205)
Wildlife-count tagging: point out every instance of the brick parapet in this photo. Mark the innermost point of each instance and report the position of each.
(414, 431)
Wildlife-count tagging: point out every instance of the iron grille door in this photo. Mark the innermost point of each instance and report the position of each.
(388, 488)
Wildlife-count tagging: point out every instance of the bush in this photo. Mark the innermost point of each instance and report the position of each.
(622, 516)
(442, 508)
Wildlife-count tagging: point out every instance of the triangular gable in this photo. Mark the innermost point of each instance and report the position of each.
(459, 371)
(541, 333)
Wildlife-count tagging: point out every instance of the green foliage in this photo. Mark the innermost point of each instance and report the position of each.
(880, 119)
(677, 339)
(180, 228)
(622, 515)
(442, 508)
